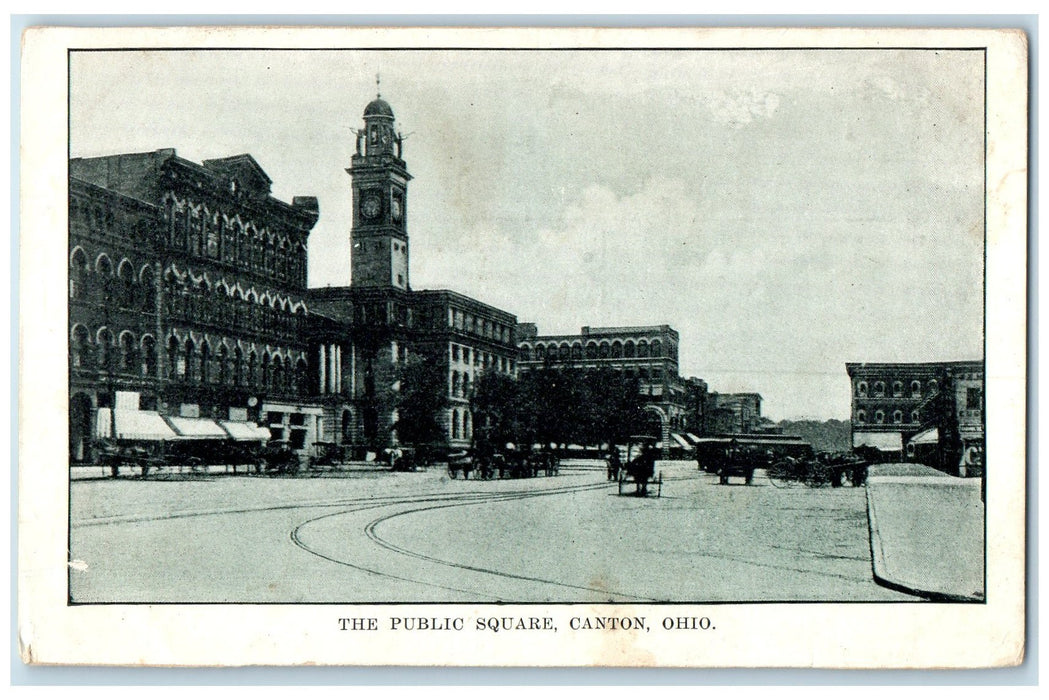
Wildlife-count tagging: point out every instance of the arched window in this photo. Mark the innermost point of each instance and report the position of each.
(189, 365)
(299, 382)
(861, 416)
(933, 386)
(916, 389)
(455, 424)
(591, 351)
(149, 356)
(466, 385)
(577, 351)
(915, 416)
(105, 349)
(205, 362)
(148, 288)
(78, 274)
(223, 364)
(642, 348)
(879, 389)
(104, 273)
(657, 349)
(861, 388)
(238, 367)
(603, 349)
(278, 375)
(175, 367)
(251, 373)
(897, 389)
(897, 416)
(879, 416)
(467, 425)
(125, 291)
(455, 383)
(264, 368)
(128, 360)
(81, 350)
(629, 350)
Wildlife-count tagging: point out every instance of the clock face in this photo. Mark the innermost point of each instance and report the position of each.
(396, 209)
(371, 206)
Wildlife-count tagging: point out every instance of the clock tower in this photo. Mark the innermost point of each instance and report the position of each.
(380, 186)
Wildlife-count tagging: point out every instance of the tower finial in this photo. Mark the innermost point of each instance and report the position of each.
(377, 92)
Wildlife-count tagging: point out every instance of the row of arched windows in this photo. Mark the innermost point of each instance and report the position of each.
(123, 354)
(592, 350)
(199, 302)
(881, 389)
(99, 218)
(209, 234)
(880, 416)
(199, 363)
(120, 286)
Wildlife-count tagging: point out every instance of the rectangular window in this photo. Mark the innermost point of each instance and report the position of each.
(455, 352)
(973, 398)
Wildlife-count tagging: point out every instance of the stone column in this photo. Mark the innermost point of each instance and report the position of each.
(321, 368)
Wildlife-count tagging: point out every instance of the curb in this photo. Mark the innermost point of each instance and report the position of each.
(878, 564)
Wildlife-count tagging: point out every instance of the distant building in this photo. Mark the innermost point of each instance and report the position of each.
(930, 412)
(733, 413)
(648, 353)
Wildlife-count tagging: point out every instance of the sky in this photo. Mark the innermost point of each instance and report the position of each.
(785, 211)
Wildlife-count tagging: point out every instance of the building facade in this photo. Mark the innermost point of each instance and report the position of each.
(647, 353)
(188, 297)
(385, 321)
(930, 412)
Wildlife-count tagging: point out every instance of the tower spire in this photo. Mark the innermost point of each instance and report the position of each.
(378, 93)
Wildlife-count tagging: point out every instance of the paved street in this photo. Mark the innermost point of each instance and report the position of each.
(373, 537)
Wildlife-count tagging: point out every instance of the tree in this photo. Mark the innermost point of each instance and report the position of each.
(422, 399)
(495, 408)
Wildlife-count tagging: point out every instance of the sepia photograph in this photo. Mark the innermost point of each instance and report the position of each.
(599, 326)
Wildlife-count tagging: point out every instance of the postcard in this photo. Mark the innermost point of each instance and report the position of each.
(523, 347)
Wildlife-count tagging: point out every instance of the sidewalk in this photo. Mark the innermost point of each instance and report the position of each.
(926, 531)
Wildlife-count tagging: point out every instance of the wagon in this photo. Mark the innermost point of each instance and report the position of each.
(825, 468)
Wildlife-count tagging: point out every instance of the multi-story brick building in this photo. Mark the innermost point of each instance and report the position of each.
(648, 353)
(187, 299)
(928, 411)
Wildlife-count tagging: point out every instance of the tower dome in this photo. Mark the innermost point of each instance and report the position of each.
(378, 108)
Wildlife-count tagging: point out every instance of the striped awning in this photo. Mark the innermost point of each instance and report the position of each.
(242, 430)
(197, 428)
(133, 425)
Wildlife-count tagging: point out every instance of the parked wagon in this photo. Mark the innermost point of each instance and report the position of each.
(826, 468)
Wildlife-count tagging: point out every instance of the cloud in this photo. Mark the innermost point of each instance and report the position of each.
(738, 107)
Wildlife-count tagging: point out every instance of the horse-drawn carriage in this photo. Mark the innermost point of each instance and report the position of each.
(511, 463)
(822, 469)
(639, 467)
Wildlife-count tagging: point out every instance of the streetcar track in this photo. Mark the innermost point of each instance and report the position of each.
(457, 500)
(370, 531)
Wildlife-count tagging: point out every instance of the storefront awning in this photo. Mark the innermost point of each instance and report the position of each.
(133, 425)
(681, 441)
(886, 442)
(197, 428)
(239, 430)
(926, 437)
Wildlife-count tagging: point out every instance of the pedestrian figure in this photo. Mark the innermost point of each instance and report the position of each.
(614, 464)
